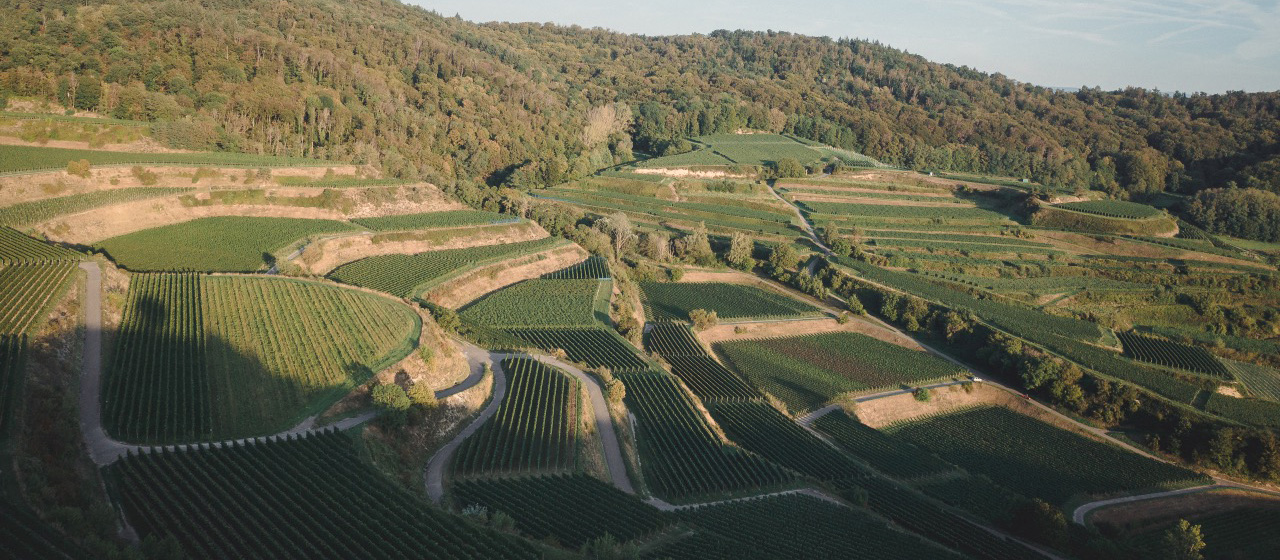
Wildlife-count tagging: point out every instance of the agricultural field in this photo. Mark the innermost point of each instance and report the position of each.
(809, 371)
(977, 495)
(18, 249)
(543, 303)
(761, 429)
(874, 211)
(1242, 533)
(308, 497)
(1113, 209)
(25, 536)
(410, 275)
(535, 431)
(36, 211)
(594, 346)
(1261, 381)
(448, 218)
(27, 292)
(27, 159)
(795, 527)
(706, 377)
(665, 301)
(594, 268)
(209, 358)
(569, 509)
(1036, 459)
(716, 216)
(696, 158)
(884, 453)
(758, 149)
(1172, 354)
(219, 244)
(1253, 412)
(12, 361)
(682, 456)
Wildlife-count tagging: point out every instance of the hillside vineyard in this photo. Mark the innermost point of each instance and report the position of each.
(320, 279)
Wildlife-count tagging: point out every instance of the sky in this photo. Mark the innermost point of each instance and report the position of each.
(1171, 45)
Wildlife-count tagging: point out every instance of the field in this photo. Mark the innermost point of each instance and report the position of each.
(309, 497)
(1172, 354)
(542, 303)
(795, 527)
(808, 371)
(594, 268)
(696, 158)
(890, 211)
(709, 380)
(26, 159)
(758, 149)
(593, 346)
(1263, 382)
(37, 211)
(1113, 209)
(12, 362)
(571, 509)
(27, 291)
(1036, 459)
(977, 495)
(220, 244)
(884, 453)
(410, 275)
(673, 302)
(682, 457)
(1249, 411)
(201, 358)
(534, 431)
(25, 536)
(450, 218)
(18, 249)
(715, 215)
(761, 429)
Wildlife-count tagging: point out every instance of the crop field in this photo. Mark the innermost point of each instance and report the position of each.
(571, 509)
(709, 380)
(884, 453)
(594, 268)
(977, 495)
(219, 244)
(18, 249)
(1003, 240)
(37, 211)
(703, 157)
(25, 536)
(534, 431)
(410, 275)
(1172, 354)
(673, 301)
(1262, 381)
(713, 215)
(681, 455)
(309, 497)
(23, 159)
(761, 429)
(1244, 533)
(890, 211)
(807, 371)
(1249, 411)
(593, 346)
(968, 247)
(1036, 459)
(793, 527)
(12, 355)
(1113, 209)
(221, 357)
(758, 149)
(541, 303)
(449, 218)
(27, 292)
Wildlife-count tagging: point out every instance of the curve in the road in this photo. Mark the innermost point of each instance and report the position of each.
(438, 462)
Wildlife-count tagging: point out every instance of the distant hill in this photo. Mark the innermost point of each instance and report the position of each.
(422, 95)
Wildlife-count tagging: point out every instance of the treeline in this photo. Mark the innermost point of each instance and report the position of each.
(1246, 213)
(420, 95)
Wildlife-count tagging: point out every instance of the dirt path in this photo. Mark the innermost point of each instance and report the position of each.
(804, 222)
(478, 358)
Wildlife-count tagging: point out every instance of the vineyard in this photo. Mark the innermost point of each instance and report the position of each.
(1172, 354)
(26, 537)
(1113, 209)
(1262, 381)
(977, 495)
(534, 431)
(18, 249)
(649, 209)
(28, 291)
(795, 527)
(410, 275)
(571, 509)
(594, 268)
(709, 380)
(542, 303)
(595, 347)
(1249, 411)
(682, 456)
(229, 356)
(1036, 459)
(758, 149)
(884, 453)
(761, 429)
(219, 244)
(839, 209)
(703, 157)
(12, 355)
(26, 159)
(36, 211)
(808, 371)
(450, 218)
(309, 497)
(673, 301)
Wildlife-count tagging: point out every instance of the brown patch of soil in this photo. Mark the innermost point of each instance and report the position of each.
(446, 368)
(885, 411)
(326, 254)
(851, 189)
(1229, 390)
(468, 287)
(146, 145)
(687, 173)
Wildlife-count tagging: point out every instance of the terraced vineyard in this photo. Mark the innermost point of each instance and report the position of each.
(571, 509)
(310, 497)
(594, 268)
(795, 527)
(681, 455)
(808, 371)
(709, 380)
(1172, 354)
(18, 249)
(758, 149)
(1113, 209)
(761, 429)
(1249, 411)
(28, 159)
(26, 537)
(688, 214)
(1036, 459)
(673, 302)
(852, 209)
(448, 218)
(534, 431)
(411, 275)
(12, 355)
(36, 211)
(221, 357)
(28, 291)
(1262, 381)
(593, 346)
(977, 495)
(886, 454)
(219, 244)
(543, 303)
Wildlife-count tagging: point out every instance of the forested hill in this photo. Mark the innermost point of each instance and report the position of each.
(423, 95)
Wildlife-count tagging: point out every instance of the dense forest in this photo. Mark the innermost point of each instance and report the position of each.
(421, 95)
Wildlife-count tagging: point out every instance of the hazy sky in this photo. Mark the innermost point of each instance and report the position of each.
(1185, 45)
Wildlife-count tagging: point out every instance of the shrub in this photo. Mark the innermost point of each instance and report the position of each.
(391, 397)
(79, 168)
(922, 394)
(703, 319)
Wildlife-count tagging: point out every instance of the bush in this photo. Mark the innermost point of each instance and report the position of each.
(422, 395)
(79, 168)
(146, 177)
(922, 394)
(391, 397)
(703, 319)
